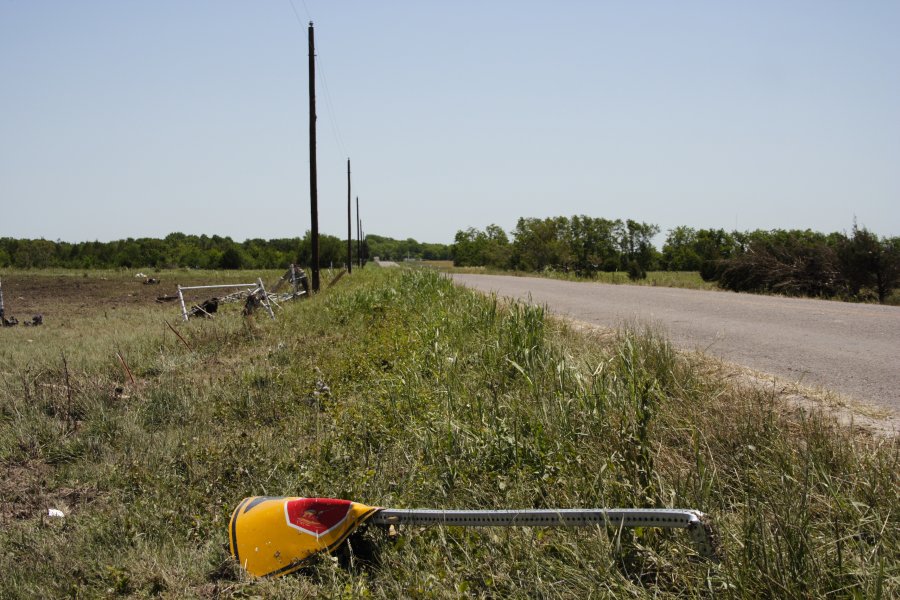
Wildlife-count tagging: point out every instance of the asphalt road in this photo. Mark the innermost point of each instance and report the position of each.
(853, 349)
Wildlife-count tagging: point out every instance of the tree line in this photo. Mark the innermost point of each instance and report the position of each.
(859, 265)
(391, 249)
(204, 252)
(580, 244)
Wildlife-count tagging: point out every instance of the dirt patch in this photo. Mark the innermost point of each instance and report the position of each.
(25, 493)
(65, 295)
(58, 295)
(874, 419)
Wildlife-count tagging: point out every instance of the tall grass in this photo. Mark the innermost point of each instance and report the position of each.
(396, 388)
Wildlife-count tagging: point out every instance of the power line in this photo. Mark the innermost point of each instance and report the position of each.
(332, 118)
(331, 112)
(306, 8)
(296, 14)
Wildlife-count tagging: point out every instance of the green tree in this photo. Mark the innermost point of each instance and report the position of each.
(34, 254)
(592, 243)
(868, 261)
(472, 247)
(497, 251)
(636, 244)
(679, 252)
(231, 259)
(540, 244)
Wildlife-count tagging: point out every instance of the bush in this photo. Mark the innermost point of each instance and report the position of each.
(231, 259)
(790, 268)
(636, 271)
(869, 262)
(710, 270)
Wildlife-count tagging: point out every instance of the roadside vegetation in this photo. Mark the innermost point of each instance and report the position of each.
(396, 388)
(678, 279)
(858, 266)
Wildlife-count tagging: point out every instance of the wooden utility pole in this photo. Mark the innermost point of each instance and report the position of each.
(358, 238)
(349, 227)
(313, 184)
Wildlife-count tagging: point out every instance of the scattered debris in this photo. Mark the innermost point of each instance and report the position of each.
(183, 341)
(337, 278)
(140, 276)
(205, 309)
(35, 321)
(253, 295)
(125, 366)
(250, 289)
(55, 513)
(273, 535)
(3, 319)
(299, 282)
(12, 321)
(253, 302)
(151, 281)
(322, 389)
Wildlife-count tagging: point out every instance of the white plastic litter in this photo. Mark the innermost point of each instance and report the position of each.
(55, 512)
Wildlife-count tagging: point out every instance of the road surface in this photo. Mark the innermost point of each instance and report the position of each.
(853, 349)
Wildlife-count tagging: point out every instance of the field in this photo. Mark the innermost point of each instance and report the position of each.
(396, 388)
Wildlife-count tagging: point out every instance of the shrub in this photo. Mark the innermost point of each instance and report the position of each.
(791, 268)
(869, 262)
(636, 271)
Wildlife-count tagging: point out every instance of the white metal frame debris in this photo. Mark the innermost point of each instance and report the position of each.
(294, 275)
(252, 288)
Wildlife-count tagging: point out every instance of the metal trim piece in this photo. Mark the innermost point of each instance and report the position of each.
(694, 521)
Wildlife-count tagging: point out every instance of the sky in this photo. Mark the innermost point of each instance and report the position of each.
(132, 119)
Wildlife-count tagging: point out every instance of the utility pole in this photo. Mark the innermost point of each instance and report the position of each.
(349, 227)
(358, 237)
(313, 184)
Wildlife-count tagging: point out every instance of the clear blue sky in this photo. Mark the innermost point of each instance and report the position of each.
(123, 119)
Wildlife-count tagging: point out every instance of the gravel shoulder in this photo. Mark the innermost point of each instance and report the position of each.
(851, 349)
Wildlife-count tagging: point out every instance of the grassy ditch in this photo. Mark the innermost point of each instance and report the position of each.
(396, 388)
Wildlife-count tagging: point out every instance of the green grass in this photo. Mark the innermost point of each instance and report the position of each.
(396, 388)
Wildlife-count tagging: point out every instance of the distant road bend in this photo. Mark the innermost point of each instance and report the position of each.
(853, 349)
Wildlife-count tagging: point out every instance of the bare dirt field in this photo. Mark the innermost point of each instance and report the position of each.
(65, 294)
(852, 349)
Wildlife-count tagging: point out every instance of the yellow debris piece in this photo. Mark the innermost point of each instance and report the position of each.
(274, 535)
